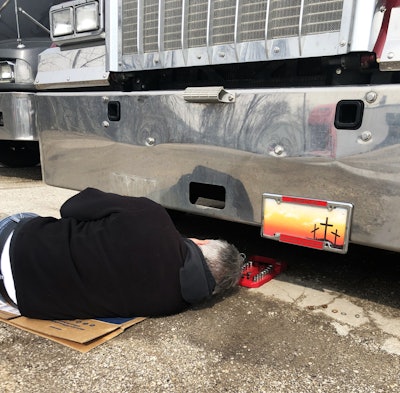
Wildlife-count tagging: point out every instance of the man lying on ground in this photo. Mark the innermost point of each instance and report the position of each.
(109, 256)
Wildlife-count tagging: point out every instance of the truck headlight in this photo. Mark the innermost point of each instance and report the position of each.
(62, 22)
(6, 72)
(87, 17)
(77, 21)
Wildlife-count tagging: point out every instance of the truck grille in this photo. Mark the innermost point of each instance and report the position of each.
(150, 26)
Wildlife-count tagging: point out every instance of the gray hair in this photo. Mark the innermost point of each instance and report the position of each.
(225, 263)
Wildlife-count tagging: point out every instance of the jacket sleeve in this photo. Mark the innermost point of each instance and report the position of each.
(93, 204)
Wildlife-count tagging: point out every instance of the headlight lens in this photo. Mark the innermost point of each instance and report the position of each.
(62, 22)
(87, 17)
(6, 72)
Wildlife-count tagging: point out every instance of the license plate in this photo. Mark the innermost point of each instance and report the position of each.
(313, 223)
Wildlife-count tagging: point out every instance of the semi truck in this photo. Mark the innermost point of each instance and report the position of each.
(284, 114)
(24, 33)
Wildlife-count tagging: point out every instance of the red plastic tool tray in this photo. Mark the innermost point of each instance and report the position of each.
(258, 270)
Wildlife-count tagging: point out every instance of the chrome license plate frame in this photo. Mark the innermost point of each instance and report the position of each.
(313, 223)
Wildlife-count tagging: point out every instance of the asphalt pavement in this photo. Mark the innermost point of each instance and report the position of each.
(329, 323)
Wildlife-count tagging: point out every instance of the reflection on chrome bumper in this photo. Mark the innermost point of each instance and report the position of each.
(17, 116)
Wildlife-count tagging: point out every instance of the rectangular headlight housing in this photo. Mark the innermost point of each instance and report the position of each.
(62, 22)
(7, 72)
(77, 21)
(87, 17)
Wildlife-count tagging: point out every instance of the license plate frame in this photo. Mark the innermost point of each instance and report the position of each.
(300, 221)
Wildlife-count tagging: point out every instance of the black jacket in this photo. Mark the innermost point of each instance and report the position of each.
(108, 255)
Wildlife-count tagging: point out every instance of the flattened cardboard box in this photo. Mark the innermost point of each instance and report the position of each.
(80, 334)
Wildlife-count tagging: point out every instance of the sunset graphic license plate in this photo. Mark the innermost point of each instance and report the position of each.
(323, 225)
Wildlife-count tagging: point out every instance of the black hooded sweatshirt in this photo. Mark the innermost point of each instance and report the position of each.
(108, 256)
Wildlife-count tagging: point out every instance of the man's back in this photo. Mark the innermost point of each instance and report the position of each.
(108, 255)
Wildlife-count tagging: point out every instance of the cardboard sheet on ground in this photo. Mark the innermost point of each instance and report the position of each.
(80, 334)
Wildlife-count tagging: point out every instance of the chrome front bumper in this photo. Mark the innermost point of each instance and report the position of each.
(218, 159)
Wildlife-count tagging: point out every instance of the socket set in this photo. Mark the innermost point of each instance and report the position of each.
(257, 270)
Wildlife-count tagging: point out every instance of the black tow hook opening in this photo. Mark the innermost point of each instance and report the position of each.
(349, 114)
(114, 111)
(207, 195)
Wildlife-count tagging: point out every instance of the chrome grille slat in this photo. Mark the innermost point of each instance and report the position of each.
(172, 24)
(197, 23)
(252, 20)
(322, 16)
(129, 30)
(150, 26)
(223, 22)
(283, 19)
